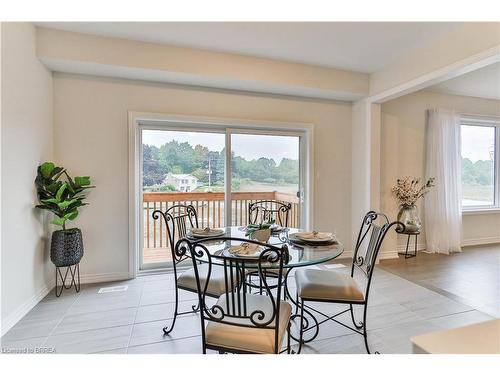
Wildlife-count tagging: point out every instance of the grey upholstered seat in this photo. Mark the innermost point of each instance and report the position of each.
(249, 339)
(216, 285)
(327, 285)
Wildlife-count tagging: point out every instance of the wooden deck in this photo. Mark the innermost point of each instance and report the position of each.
(157, 255)
(210, 210)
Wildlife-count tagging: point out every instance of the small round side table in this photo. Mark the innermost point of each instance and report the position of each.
(409, 234)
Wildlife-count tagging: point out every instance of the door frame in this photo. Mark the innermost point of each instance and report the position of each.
(140, 120)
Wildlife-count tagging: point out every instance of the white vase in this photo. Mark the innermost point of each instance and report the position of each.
(261, 235)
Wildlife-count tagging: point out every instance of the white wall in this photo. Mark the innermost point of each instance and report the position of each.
(360, 164)
(91, 138)
(403, 154)
(27, 274)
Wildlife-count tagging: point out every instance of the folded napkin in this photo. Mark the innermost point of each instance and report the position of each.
(206, 230)
(314, 235)
(244, 248)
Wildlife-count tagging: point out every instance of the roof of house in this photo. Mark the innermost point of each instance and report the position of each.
(181, 176)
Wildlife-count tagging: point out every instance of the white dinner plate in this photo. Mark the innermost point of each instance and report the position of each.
(201, 233)
(294, 237)
(253, 254)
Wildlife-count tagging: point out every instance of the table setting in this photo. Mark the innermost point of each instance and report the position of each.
(305, 247)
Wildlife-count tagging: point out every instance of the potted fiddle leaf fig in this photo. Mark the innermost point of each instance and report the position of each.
(63, 196)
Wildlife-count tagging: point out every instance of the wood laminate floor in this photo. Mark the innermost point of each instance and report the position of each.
(471, 277)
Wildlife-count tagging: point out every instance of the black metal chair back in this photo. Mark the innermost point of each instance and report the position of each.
(178, 219)
(371, 235)
(235, 307)
(266, 210)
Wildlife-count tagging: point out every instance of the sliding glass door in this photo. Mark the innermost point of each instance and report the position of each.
(264, 167)
(179, 168)
(187, 165)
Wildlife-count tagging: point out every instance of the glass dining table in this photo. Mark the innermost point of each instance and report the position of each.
(299, 255)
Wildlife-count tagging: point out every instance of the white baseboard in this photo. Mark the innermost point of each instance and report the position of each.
(393, 254)
(345, 255)
(104, 277)
(480, 241)
(411, 247)
(22, 310)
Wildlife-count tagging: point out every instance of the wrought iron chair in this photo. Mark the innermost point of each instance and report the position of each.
(266, 210)
(262, 211)
(179, 219)
(336, 287)
(240, 322)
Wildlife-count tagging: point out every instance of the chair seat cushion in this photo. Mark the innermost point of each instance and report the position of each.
(216, 285)
(327, 285)
(249, 339)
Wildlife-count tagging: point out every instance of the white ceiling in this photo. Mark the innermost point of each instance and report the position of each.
(363, 47)
(481, 83)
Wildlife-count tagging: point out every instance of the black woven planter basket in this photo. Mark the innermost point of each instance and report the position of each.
(66, 248)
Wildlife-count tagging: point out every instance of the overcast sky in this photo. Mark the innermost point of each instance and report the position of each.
(245, 145)
(477, 142)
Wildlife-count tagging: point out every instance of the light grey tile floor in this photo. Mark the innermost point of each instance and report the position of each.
(131, 321)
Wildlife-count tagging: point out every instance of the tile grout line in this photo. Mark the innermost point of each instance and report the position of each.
(100, 311)
(86, 330)
(113, 326)
(135, 318)
(95, 329)
(158, 342)
(60, 320)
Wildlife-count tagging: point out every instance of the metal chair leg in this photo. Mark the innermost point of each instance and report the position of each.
(288, 347)
(301, 336)
(166, 329)
(357, 325)
(296, 305)
(365, 335)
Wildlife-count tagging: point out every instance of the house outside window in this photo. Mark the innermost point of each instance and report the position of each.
(181, 182)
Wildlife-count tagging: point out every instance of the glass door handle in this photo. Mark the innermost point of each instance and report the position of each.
(300, 195)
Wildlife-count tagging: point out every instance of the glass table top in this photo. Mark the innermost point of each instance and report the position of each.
(301, 255)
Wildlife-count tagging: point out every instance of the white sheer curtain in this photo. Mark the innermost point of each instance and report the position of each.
(443, 216)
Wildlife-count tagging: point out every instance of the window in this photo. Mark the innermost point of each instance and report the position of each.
(480, 166)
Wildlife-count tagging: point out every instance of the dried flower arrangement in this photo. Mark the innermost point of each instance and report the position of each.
(408, 192)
